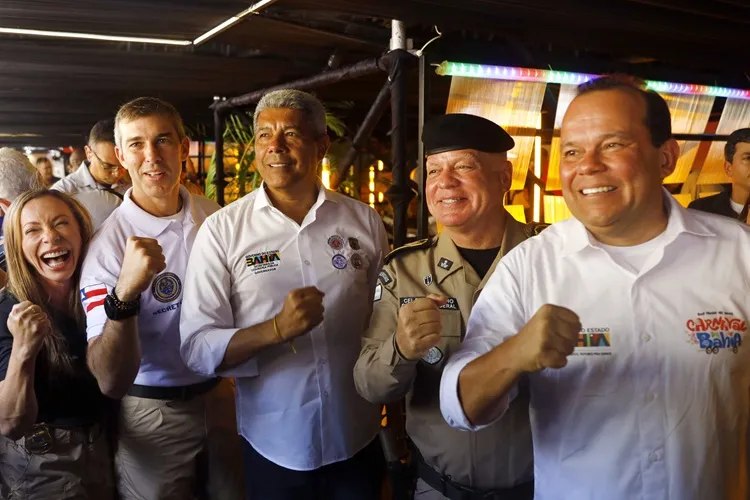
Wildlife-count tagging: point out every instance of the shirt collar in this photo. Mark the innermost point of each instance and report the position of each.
(446, 253)
(679, 221)
(446, 249)
(83, 176)
(151, 225)
(263, 201)
(515, 233)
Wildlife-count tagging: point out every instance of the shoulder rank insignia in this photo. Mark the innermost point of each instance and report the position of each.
(425, 243)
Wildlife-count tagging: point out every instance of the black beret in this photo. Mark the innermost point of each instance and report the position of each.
(462, 131)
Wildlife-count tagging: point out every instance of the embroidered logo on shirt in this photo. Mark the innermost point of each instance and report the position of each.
(433, 356)
(428, 280)
(594, 342)
(338, 261)
(336, 242)
(445, 264)
(263, 262)
(716, 330)
(93, 296)
(166, 287)
(354, 243)
(378, 293)
(385, 277)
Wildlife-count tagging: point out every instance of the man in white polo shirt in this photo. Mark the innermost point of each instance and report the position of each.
(278, 293)
(95, 183)
(629, 319)
(131, 288)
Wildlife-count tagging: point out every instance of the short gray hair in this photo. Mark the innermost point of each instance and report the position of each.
(294, 99)
(17, 174)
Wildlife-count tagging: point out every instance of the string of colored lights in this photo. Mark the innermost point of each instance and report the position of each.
(448, 68)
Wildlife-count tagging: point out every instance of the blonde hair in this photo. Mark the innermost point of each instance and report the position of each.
(148, 106)
(23, 279)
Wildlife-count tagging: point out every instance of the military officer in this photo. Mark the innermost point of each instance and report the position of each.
(422, 303)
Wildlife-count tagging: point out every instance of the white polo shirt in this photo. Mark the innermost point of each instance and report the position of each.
(98, 201)
(300, 410)
(159, 318)
(653, 404)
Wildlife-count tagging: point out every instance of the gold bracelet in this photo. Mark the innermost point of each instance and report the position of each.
(278, 334)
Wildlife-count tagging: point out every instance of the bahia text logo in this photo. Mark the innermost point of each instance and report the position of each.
(714, 331)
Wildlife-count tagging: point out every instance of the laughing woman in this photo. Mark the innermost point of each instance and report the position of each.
(53, 444)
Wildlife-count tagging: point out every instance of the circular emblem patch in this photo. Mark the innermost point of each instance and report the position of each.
(354, 243)
(433, 356)
(336, 242)
(356, 261)
(339, 261)
(166, 287)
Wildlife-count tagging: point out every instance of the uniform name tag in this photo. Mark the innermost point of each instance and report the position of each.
(402, 301)
(451, 305)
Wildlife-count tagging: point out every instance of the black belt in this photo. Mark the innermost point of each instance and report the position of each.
(456, 491)
(180, 393)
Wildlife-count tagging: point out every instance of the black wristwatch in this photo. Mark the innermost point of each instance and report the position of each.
(116, 309)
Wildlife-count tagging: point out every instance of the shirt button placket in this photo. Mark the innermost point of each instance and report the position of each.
(651, 413)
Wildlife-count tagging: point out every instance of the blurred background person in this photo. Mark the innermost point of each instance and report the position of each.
(77, 156)
(95, 183)
(44, 167)
(17, 175)
(730, 202)
(52, 414)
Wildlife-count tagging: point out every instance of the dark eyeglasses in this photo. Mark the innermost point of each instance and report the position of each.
(104, 164)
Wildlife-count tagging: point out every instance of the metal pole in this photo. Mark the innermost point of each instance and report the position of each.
(398, 35)
(199, 171)
(423, 224)
(365, 130)
(362, 68)
(399, 193)
(219, 156)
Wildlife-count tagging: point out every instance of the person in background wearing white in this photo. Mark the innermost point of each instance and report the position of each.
(95, 183)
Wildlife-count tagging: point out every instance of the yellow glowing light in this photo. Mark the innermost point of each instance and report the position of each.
(555, 209)
(380, 165)
(372, 198)
(371, 186)
(538, 172)
(325, 173)
(380, 197)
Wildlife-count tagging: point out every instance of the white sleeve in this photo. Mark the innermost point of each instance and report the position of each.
(99, 273)
(206, 318)
(497, 316)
